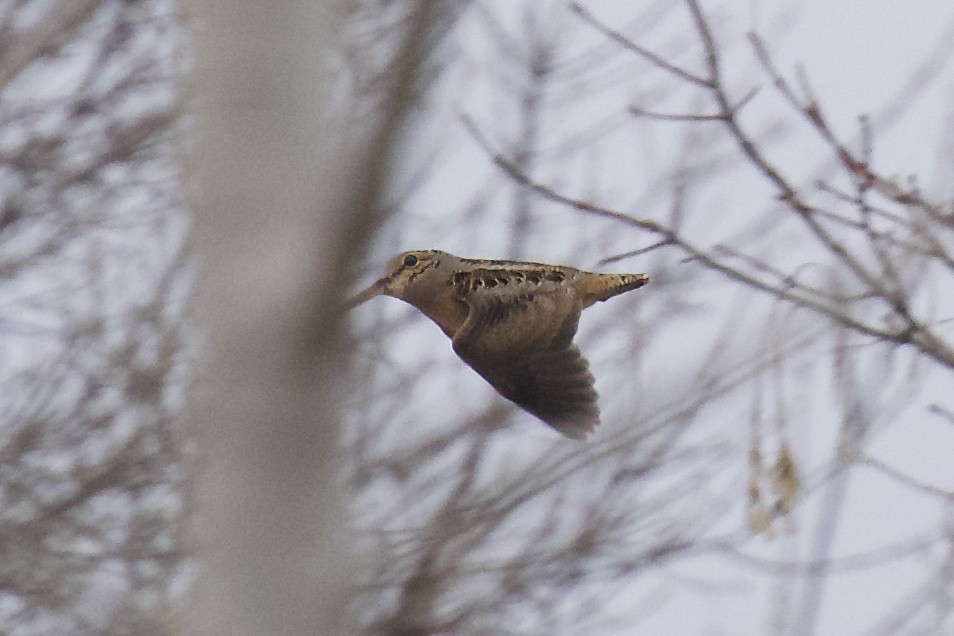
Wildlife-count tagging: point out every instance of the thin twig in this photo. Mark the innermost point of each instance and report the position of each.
(629, 45)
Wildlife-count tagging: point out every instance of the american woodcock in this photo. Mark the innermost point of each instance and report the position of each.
(513, 323)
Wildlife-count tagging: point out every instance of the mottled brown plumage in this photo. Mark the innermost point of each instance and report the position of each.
(513, 323)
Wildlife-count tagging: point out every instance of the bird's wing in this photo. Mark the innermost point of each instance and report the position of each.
(504, 319)
(521, 343)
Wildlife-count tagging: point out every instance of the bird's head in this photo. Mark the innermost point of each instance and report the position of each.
(401, 272)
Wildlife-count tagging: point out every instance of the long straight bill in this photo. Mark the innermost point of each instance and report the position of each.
(374, 290)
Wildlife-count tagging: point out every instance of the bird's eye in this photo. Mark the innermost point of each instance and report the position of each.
(410, 260)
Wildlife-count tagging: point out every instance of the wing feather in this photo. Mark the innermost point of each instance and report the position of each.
(522, 345)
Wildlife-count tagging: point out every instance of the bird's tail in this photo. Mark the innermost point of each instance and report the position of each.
(600, 287)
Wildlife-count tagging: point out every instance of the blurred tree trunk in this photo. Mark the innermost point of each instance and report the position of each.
(280, 216)
(270, 515)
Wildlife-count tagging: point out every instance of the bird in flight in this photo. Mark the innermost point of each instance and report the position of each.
(513, 322)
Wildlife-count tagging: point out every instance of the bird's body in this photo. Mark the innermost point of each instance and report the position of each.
(513, 322)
